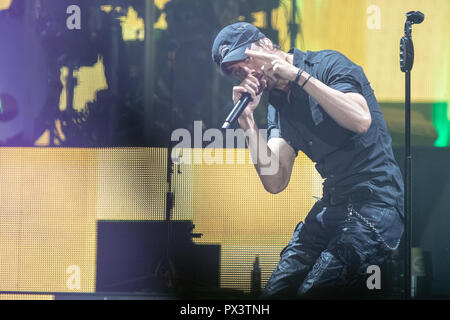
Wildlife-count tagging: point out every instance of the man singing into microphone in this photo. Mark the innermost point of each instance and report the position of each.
(322, 104)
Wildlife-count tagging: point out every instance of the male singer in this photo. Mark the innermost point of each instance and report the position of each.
(320, 103)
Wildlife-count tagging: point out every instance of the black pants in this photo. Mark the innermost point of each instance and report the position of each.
(329, 254)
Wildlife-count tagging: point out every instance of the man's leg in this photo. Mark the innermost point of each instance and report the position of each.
(341, 270)
(298, 257)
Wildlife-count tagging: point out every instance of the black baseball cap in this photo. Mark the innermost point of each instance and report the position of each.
(231, 42)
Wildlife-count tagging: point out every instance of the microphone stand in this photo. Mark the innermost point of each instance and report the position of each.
(406, 64)
(165, 269)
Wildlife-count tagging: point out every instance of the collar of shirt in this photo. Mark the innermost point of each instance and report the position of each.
(301, 57)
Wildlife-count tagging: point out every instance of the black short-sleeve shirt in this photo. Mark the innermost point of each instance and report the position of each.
(346, 160)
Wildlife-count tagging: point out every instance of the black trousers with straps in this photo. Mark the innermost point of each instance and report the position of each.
(330, 252)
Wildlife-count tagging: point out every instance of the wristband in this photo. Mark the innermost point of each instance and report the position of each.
(305, 81)
(300, 71)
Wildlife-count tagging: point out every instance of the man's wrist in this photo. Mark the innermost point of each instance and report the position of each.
(304, 79)
(295, 74)
(247, 121)
(301, 78)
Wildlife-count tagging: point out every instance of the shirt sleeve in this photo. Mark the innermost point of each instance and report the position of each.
(342, 74)
(274, 127)
(273, 123)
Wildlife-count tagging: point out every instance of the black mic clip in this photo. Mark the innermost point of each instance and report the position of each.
(406, 44)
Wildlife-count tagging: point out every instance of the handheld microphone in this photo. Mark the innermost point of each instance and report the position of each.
(237, 110)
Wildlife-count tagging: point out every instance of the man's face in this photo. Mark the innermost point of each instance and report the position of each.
(241, 69)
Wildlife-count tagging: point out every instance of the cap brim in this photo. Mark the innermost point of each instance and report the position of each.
(236, 55)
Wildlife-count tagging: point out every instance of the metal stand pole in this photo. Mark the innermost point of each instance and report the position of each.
(166, 269)
(408, 162)
(406, 63)
(293, 24)
(30, 63)
(149, 65)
